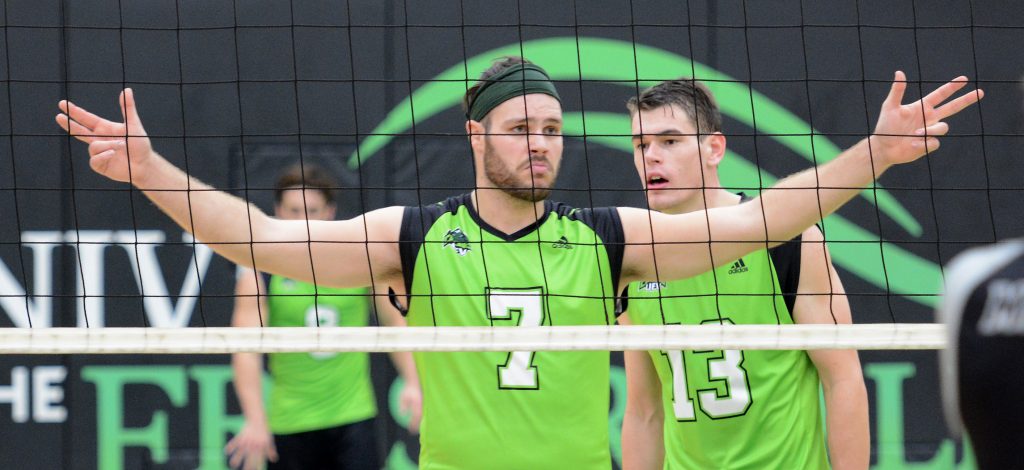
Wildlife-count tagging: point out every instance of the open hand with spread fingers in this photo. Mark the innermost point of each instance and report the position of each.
(905, 132)
(118, 150)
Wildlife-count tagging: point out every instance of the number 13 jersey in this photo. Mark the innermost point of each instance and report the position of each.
(735, 409)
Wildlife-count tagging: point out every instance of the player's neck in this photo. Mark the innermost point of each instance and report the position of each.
(709, 200)
(504, 212)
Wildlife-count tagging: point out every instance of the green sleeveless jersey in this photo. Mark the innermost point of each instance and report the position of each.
(512, 409)
(735, 409)
(313, 391)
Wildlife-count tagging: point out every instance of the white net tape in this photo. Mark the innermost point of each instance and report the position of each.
(556, 338)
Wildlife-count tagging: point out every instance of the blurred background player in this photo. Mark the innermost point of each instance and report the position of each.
(732, 409)
(982, 382)
(321, 404)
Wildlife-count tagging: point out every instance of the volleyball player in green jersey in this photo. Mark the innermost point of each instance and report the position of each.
(732, 409)
(517, 409)
(321, 405)
(560, 270)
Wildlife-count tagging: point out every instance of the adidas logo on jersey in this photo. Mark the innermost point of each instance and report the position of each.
(651, 286)
(562, 243)
(739, 267)
(458, 240)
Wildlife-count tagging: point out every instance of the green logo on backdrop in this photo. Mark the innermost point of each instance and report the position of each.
(891, 450)
(856, 249)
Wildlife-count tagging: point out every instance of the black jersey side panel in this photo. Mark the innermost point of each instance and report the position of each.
(605, 222)
(416, 221)
(786, 261)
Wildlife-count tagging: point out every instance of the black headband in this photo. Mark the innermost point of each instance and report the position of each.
(518, 80)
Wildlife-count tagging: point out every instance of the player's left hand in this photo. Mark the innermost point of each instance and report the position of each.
(120, 151)
(411, 404)
(905, 132)
(251, 448)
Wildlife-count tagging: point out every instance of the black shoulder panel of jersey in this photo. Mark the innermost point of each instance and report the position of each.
(393, 298)
(416, 221)
(266, 283)
(606, 223)
(786, 259)
(622, 303)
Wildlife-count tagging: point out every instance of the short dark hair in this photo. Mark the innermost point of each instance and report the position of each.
(691, 96)
(305, 176)
(500, 65)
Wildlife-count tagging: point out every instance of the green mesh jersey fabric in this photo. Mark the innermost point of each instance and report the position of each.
(311, 391)
(514, 409)
(735, 409)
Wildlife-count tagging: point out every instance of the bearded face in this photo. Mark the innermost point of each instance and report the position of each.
(520, 182)
(522, 147)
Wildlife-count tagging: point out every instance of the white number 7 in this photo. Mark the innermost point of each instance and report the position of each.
(518, 372)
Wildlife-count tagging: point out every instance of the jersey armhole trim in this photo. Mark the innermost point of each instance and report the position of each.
(416, 222)
(266, 284)
(786, 259)
(622, 302)
(607, 225)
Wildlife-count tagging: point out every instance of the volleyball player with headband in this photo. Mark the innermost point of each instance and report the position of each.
(502, 254)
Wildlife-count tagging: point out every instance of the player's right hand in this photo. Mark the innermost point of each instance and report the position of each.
(251, 448)
(118, 150)
(411, 405)
(905, 132)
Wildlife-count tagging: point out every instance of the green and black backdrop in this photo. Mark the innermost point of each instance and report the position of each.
(234, 91)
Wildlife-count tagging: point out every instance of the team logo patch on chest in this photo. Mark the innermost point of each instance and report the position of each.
(458, 240)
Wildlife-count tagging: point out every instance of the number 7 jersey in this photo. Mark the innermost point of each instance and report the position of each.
(512, 409)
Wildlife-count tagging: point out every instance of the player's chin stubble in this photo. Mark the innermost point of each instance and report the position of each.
(504, 178)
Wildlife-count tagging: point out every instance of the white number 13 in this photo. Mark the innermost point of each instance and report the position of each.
(728, 368)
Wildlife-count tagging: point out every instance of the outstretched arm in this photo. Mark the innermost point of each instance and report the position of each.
(335, 253)
(682, 244)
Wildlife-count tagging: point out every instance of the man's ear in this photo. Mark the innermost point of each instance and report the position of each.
(474, 128)
(475, 132)
(715, 146)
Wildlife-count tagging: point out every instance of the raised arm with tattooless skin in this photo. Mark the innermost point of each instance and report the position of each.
(904, 133)
(235, 229)
(514, 128)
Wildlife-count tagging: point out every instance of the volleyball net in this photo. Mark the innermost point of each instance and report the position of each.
(233, 94)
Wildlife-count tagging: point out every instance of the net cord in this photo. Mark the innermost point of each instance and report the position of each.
(220, 340)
